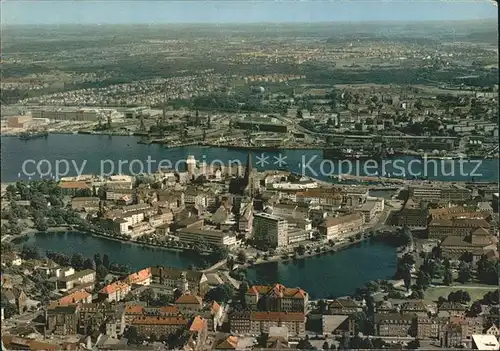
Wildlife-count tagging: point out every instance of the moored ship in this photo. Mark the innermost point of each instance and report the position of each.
(33, 135)
(342, 154)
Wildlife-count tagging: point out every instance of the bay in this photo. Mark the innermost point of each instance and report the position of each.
(96, 153)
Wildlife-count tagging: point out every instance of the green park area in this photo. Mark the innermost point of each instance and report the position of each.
(476, 292)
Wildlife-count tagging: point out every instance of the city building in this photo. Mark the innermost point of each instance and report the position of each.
(76, 297)
(369, 209)
(276, 298)
(142, 277)
(330, 198)
(19, 121)
(441, 228)
(395, 324)
(174, 278)
(214, 237)
(338, 324)
(188, 303)
(261, 322)
(159, 326)
(485, 342)
(84, 277)
(480, 242)
(343, 307)
(63, 320)
(71, 188)
(270, 229)
(440, 193)
(412, 215)
(341, 226)
(428, 327)
(85, 204)
(114, 292)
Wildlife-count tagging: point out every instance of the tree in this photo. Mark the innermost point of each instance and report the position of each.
(407, 277)
(322, 306)
(101, 272)
(89, 264)
(487, 271)
(222, 293)
(230, 263)
(148, 295)
(491, 298)
(423, 279)
(301, 249)
(459, 296)
(105, 261)
(177, 294)
(448, 277)
(467, 257)
(77, 261)
(414, 344)
(97, 259)
(132, 335)
(29, 253)
(40, 224)
(475, 309)
(325, 346)
(242, 256)
(464, 273)
(305, 344)
(242, 290)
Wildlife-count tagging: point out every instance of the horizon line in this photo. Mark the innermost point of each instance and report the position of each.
(256, 22)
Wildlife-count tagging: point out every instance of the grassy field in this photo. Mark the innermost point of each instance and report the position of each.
(476, 292)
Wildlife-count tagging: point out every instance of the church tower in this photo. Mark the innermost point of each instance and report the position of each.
(248, 180)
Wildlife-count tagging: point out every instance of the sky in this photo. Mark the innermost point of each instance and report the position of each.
(243, 11)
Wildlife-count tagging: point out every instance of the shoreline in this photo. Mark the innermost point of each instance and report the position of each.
(31, 231)
(254, 148)
(292, 257)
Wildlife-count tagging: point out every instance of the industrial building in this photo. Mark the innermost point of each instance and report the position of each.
(73, 114)
(19, 121)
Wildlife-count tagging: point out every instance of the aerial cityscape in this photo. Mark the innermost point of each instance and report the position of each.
(212, 175)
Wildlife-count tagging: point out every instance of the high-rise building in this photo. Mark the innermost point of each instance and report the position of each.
(270, 229)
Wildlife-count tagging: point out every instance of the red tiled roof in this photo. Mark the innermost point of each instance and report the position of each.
(215, 307)
(74, 185)
(134, 309)
(230, 343)
(138, 277)
(75, 297)
(197, 325)
(169, 309)
(189, 299)
(113, 287)
(278, 290)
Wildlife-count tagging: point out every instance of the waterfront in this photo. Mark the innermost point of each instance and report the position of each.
(88, 152)
(331, 274)
(133, 255)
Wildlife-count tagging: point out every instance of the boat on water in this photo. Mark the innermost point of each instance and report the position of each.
(33, 135)
(253, 147)
(342, 154)
(442, 158)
